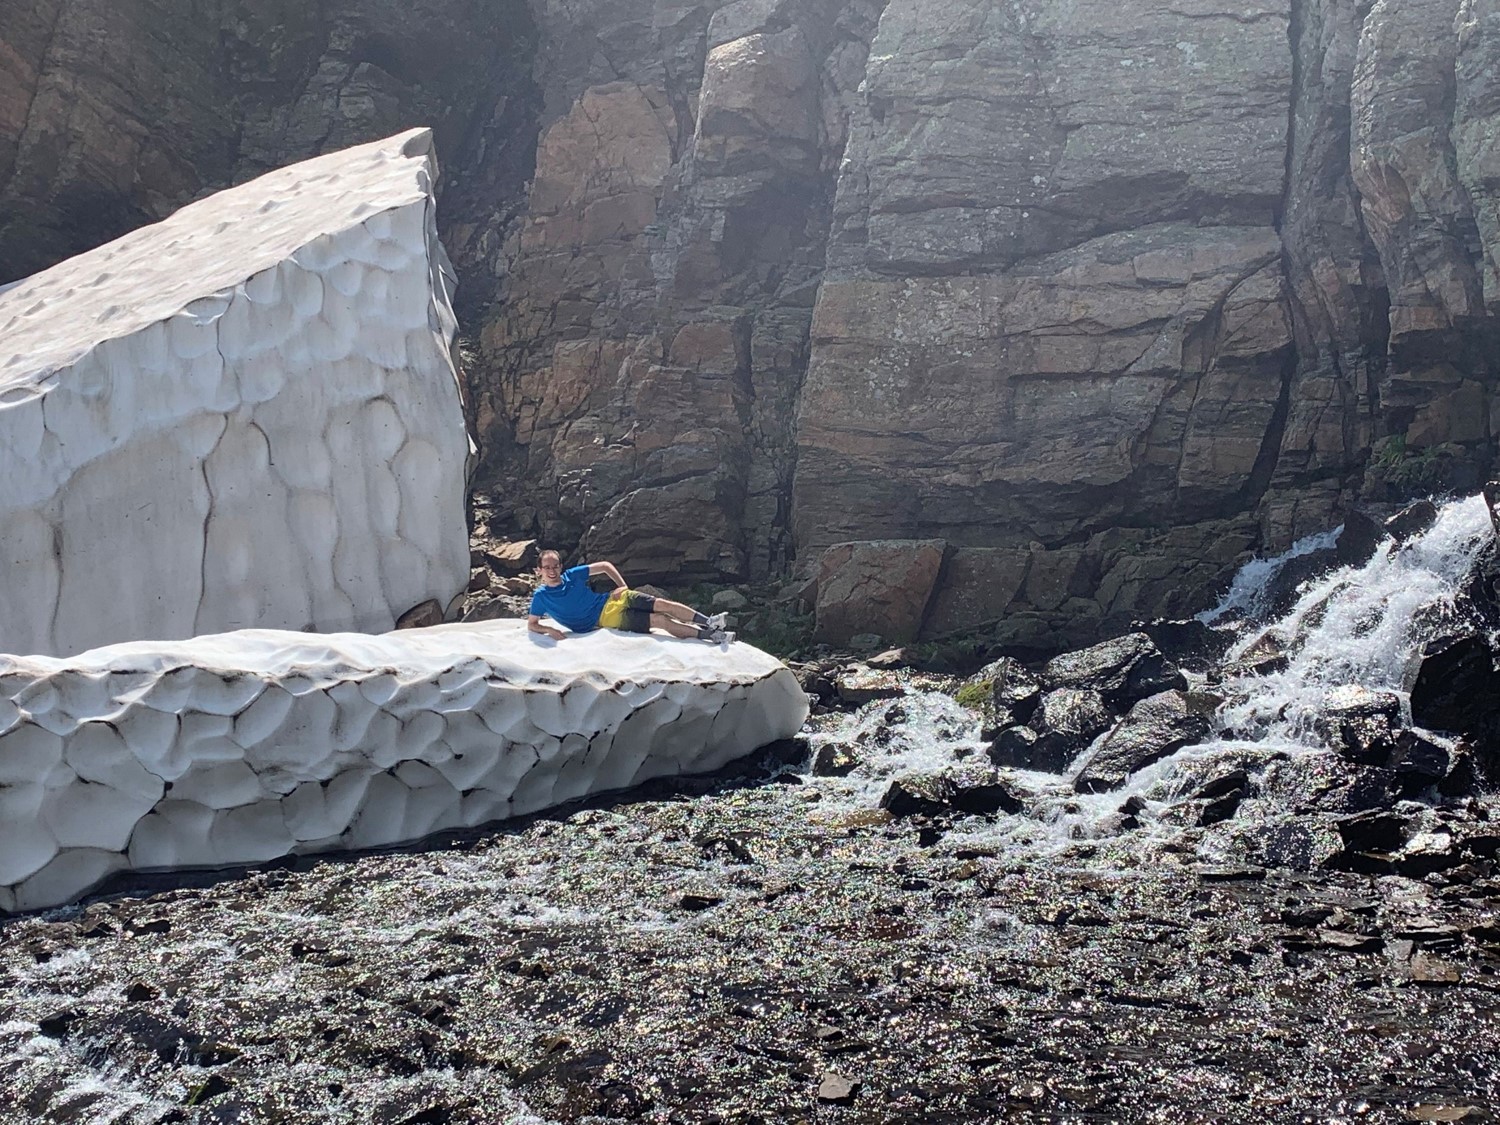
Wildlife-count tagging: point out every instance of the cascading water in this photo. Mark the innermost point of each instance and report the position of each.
(1359, 626)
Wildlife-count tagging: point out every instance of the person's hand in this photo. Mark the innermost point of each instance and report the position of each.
(556, 634)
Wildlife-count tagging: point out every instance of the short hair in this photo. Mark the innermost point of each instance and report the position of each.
(549, 551)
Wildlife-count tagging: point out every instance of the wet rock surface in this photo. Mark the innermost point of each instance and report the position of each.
(729, 950)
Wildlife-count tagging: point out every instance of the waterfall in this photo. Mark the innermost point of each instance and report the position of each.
(1363, 625)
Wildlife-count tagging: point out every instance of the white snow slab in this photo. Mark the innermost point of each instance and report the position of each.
(241, 747)
(244, 415)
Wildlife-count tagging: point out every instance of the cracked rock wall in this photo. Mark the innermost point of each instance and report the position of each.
(1103, 296)
(246, 415)
(242, 747)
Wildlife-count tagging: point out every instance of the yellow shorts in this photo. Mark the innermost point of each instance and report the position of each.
(629, 610)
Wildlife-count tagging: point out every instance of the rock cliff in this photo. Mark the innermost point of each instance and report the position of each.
(1097, 296)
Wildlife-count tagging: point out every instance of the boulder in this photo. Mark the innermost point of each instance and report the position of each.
(879, 586)
(1065, 722)
(1411, 521)
(238, 748)
(245, 415)
(1457, 689)
(1360, 723)
(1155, 727)
(976, 790)
(1004, 693)
(1358, 539)
(1123, 671)
(513, 558)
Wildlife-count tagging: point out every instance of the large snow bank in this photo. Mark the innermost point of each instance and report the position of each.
(245, 415)
(246, 746)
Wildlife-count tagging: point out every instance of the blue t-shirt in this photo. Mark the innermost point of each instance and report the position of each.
(572, 604)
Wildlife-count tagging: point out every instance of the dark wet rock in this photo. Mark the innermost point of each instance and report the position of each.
(1342, 941)
(1294, 845)
(815, 680)
(1358, 540)
(1066, 721)
(1191, 644)
(834, 759)
(1220, 809)
(1236, 780)
(1284, 588)
(1457, 689)
(1411, 521)
(1017, 747)
(1004, 693)
(1228, 873)
(1154, 728)
(976, 790)
(1360, 723)
(1261, 657)
(1418, 754)
(1374, 831)
(861, 684)
(917, 795)
(1123, 670)
(1429, 852)
(980, 791)
(1010, 686)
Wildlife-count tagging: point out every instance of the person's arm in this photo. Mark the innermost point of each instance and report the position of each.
(534, 624)
(607, 569)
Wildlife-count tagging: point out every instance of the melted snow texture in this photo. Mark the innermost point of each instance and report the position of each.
(242, 747)
(245, 415)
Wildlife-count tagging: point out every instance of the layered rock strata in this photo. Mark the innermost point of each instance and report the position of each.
(1105, 291)
(115, 113)
(241, 747)
(246, 415)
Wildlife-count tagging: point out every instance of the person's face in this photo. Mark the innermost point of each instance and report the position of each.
(550, 571)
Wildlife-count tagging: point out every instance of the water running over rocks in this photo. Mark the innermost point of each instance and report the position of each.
(1224, 906)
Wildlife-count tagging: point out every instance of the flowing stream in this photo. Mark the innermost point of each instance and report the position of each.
(1363, 626)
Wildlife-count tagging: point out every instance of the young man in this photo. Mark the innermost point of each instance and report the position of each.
(565, 596)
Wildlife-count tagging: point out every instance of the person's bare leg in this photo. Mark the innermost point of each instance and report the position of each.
(676, 610)
(676, 628)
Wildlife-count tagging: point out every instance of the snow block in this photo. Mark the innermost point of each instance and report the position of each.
(240, 747)
(244, 416)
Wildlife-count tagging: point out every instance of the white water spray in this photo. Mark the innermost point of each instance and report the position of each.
(1363, 626)
(1249, 593)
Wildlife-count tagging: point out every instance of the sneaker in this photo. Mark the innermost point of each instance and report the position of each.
(718, 621)
(720, 637)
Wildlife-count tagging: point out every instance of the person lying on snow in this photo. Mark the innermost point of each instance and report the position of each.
(565, 596)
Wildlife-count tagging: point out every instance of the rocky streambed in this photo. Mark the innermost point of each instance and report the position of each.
(758, 948)
(1130, 884)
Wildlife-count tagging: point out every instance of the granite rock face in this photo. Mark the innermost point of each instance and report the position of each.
(1102, 297)
(240, 747)
(115, 113)
(246, 415)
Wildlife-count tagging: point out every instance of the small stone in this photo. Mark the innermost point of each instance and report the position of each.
(515, 557)
(1436, 1112)
(835, 1089)
(730, 599)
(861, 684)
(1427, 969)
(479, 579)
